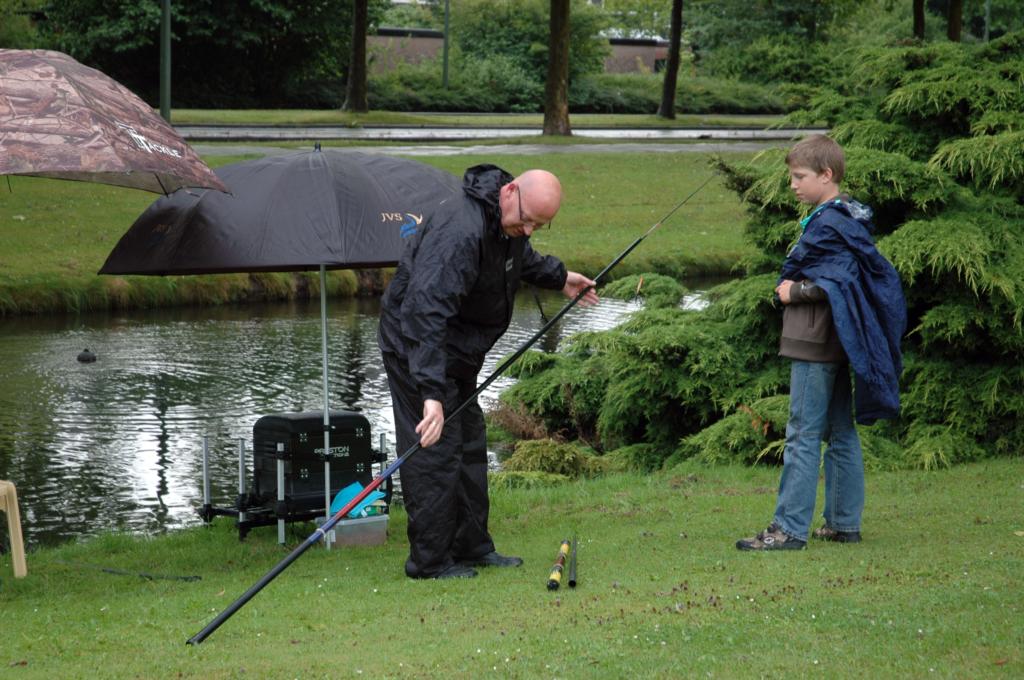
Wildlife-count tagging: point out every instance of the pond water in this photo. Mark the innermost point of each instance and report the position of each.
(117, 444)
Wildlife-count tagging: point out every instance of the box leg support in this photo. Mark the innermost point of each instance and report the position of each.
(9, 504)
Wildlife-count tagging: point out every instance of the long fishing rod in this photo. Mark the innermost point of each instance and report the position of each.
(321, 532)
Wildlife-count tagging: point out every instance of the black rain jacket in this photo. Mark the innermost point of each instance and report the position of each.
(454, 290)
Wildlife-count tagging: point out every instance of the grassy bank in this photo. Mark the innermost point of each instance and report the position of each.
(335, 117)
(58, 234)
(934, 591)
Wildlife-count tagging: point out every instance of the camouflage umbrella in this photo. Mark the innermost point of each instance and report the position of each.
(61, 119)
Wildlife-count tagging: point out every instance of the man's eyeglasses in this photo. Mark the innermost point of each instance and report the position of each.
(522, 218)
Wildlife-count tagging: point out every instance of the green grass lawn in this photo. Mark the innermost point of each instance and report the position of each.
(336, 117)
(57, 234)
(934, 591)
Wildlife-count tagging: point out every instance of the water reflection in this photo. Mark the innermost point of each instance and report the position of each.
(117, 444)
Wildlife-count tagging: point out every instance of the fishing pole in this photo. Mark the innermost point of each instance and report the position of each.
(572, 564)
(321, 532)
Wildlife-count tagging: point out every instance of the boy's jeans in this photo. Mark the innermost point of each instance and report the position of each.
(820, 409)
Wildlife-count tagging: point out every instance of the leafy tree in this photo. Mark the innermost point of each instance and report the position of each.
(639, 18)
(741, 38)
(717, 23)
(1005, 15)
(269, 53)
(355, 85)
(16, 26)
(668, 92)
(518, 32)
(955, 20)
(421, 14)
(556, 88)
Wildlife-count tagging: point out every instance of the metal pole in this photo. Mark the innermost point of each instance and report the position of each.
(444, 61)
(390, 470)
(241, 479)
(165, 61)
(572, 564)
(280, 493)
(327, 407)
(206, 472)
(383, 452)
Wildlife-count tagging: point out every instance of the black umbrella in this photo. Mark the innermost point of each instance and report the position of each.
(308, 210)
(294, 212)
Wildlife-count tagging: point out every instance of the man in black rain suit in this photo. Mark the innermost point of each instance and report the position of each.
(449, 302)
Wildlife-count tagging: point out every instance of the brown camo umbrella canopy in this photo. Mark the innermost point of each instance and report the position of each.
(61, 119)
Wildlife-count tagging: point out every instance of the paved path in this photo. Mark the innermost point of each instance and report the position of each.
(446, 134)
(499, 149)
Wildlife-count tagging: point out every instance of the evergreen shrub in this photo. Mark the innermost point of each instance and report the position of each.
(703, 94)
(634, 458)
(498, 84)
(525, 480)
(615, 93)
(552, 457)
(932, 135)
(482, 85)
(656, 290)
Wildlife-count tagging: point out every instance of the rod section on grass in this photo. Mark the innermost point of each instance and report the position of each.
(555, 577)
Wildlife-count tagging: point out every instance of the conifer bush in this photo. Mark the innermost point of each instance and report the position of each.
(934, 137)
(656, 290)
(554, 458)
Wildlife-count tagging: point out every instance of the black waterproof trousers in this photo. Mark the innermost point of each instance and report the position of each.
(444, 487)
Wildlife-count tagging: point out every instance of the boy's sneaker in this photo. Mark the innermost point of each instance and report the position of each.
(827, 533)
(771, 538)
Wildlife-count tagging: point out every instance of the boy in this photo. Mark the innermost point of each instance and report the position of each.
(843, 307)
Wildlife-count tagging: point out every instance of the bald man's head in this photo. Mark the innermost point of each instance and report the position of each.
(529, 201)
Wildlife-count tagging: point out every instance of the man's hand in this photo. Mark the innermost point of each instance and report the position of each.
(574, 283)
(430, 427)
(782, 290)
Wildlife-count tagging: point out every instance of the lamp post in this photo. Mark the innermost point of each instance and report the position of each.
(444, 61)
(165, 60)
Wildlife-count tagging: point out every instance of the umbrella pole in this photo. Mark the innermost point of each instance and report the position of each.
(327, 407)
(379, 479)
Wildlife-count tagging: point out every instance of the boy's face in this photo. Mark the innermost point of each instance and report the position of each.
(812, 187)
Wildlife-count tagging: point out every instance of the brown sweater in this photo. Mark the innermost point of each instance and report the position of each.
(808, 333)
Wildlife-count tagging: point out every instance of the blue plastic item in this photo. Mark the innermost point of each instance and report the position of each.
(350, 492)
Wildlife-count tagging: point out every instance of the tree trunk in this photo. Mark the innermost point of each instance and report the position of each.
(355, 88)
(556, 89)
(668, 86)
(955, 21)
(919, 19)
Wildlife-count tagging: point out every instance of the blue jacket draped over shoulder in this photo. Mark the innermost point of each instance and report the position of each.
(837, 252)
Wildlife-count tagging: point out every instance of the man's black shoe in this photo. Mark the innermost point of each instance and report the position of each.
(492, 559)
(457, 571)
